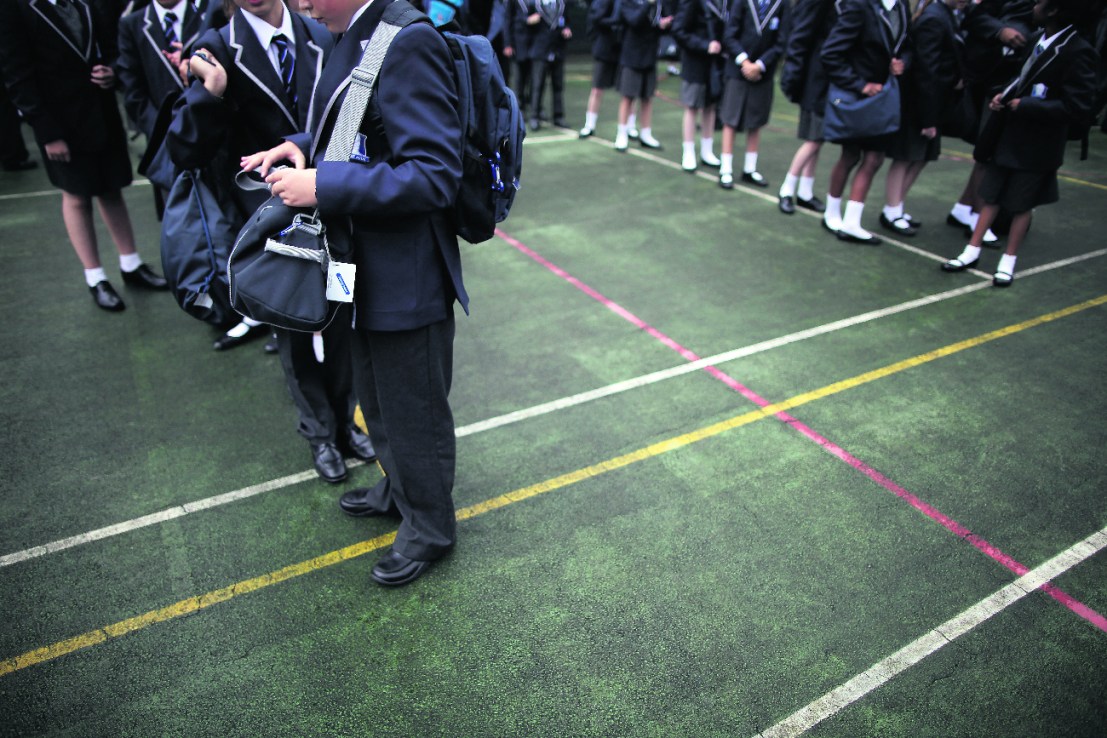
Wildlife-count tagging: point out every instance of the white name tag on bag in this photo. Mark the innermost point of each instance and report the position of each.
(340, 281)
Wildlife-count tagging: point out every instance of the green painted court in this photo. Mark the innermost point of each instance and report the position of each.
(719, 474)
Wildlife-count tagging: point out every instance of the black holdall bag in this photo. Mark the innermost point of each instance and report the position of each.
(851, 115)
(278, 268)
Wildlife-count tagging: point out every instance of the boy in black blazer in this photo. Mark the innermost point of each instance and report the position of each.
(56, 57)
(391, 209)
(538, 34)
(1023, 143)
(605, 26)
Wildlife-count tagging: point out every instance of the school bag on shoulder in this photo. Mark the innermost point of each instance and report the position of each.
(492, 126)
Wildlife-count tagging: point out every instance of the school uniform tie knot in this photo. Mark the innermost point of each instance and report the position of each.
(288, 66)
(170, 20)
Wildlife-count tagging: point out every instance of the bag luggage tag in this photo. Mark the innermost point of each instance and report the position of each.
(340, 281)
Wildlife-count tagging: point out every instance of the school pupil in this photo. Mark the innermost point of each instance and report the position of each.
(644, 20)
(928, 88)
(605, 27)
(56, 58)
(538, 34)
(803, 81)
(866, 47)
(753, 41)
(1022, 144)
(698, 29)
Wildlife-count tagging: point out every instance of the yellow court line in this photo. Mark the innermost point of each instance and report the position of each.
(200, 602)
(1074, 180)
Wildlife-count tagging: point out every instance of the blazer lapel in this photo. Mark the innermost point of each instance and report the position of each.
(759, 22)
(155, 37)
(309, 68)
(47, 13)
(191, 25)
(1044, 60)
(253, 62)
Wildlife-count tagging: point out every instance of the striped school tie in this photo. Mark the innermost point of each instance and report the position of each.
(288, 68)
(170, 21)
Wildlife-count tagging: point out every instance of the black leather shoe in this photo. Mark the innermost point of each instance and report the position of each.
(106, 297)
(870, 241)
(787, 205)
(359, 444)
(358, 503)
(814, 204)
(899, 226)
(956, 265)
(560, 122)
(227, 341)
(145, 277)
(395, 569)
(755, 179)
(271, 346)
(328, 462)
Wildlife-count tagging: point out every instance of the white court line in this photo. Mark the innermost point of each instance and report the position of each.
(883, 671)
(528, 413)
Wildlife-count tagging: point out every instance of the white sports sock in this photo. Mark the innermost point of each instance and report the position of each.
(1007, 264)
(590, 120)
(726, 163)
(129, 262)
(961, 211)
(689, 147)
(806, 189)
(95, 276)
(621, 130)
(891, 212)
(707, 146)
(851, 220)
(632, 121)
(969, 255)
(751, 162)
(645, 133)
(788, 187)
(834, 207)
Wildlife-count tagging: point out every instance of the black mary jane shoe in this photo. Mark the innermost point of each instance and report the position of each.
(956, 265)
(814, 204)
(227, 341)
(851, 238)
(146, 278)
(106, 298)
(755, 179)
(787, 205)
(1002, 279)
(900, 226)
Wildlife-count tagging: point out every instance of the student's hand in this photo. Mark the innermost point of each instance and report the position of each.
(665, 22)
(534, 19)
(509, 51)
(174, 56)
(1012, 37)
(871, 88)
(930, 132)
(566, 33)
(182, 70)
(295, 187)
(714, 47)
(57, 151)
(996, 103)
(263, 161)
(209, 71)
(103, 76)
(1014, 104)
(897, 67)
(751, 71)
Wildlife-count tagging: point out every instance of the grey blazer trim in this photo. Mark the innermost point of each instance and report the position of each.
(239, 49)
(151, 18)
(1016, 89)
(87, 53)
(902, 10)
(762, 22)
(318, 51)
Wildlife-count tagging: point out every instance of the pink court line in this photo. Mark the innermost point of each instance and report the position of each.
(827, 445)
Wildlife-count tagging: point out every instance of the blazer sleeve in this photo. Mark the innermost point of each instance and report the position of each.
(847, 29)
(132, 78)
(1076, 99)
(418, 103)
(17, 63)
(201, 121)
(732, 43)
(684, 27)
(806, 20)
(930, 89)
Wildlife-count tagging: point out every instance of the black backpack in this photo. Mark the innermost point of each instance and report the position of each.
(492, 124)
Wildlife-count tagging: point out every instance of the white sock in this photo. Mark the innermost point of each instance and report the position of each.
(1007, 264)
(251, 322)
(961, 211)
(239, 330)
(632, 121)
(851, 220)
(129, 262)
(726, 163)
(590, 120)
(621, 130)
(95, 276)
(689, 148)
(788, 187)
(707, 146)
(751, 162)
(645, 134)
(970, 254)
(833, 208)
(891, 212)
(806, 189)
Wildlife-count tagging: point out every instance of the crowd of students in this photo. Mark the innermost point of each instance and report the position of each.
(1017, 78)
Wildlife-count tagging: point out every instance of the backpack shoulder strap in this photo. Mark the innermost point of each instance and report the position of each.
(363, 78)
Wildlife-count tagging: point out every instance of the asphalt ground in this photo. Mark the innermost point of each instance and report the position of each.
(719, 474)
